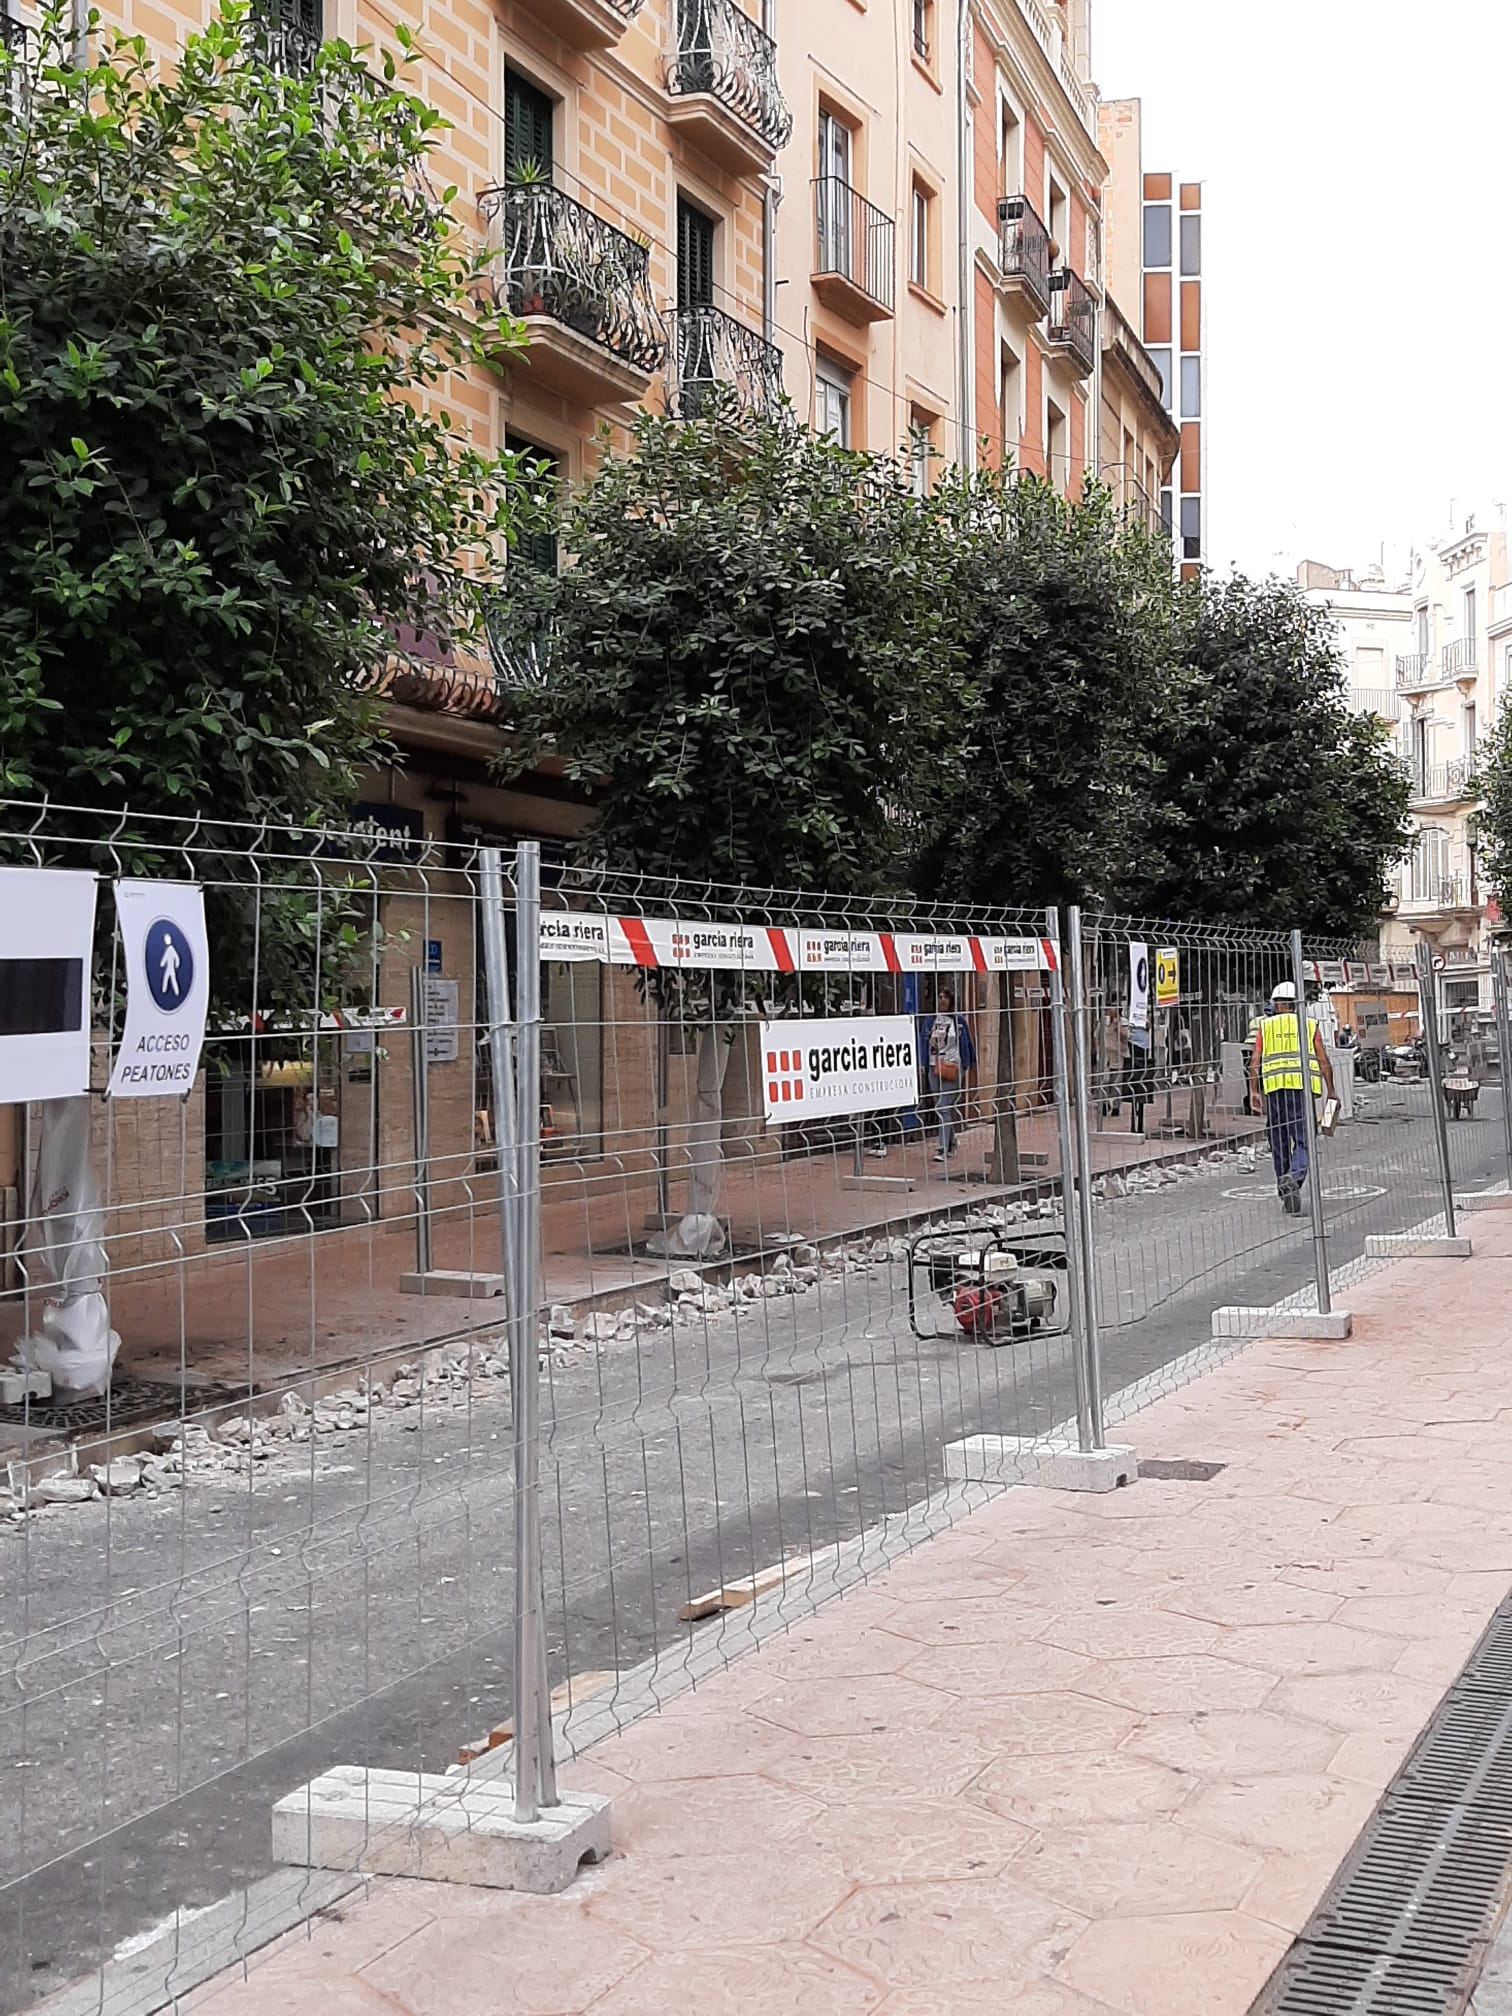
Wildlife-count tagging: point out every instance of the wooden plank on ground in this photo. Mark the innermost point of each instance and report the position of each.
(571, 1694)
(736, 1595)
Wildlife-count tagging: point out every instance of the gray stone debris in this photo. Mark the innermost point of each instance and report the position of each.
(62, 1490)
(118, 1478)
(274, 1442)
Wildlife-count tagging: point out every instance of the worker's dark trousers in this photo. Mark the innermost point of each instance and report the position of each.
(1286, 1124)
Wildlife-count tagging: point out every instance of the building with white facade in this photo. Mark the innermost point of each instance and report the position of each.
(1434, 657)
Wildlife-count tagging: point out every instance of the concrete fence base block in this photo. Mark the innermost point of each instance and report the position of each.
(1409, 1246)
(1310, 1323)
(452, 1281)
(1057, 1466)
(444, 1830)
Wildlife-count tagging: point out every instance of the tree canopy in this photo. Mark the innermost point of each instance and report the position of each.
(1271, 805)
(1062, 616)
(229, 305)
(751, 654)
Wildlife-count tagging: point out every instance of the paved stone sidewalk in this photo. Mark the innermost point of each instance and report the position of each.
(1075, 1756)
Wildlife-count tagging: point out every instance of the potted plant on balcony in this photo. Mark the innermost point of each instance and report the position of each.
(525, 235)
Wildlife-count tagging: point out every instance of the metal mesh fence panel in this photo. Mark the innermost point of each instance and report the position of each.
(280, 1538)
(1177, 1245)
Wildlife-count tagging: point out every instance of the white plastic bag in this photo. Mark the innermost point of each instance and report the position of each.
(65, 1256)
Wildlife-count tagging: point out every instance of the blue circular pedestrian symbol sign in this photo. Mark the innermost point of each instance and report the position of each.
(170, 965)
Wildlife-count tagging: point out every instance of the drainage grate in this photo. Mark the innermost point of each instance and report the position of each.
(1404, 1926)
(131, 1403)
(1179, 1472)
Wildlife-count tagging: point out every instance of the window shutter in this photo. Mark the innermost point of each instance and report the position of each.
(695, 257)
(537, 548)
(527, 124)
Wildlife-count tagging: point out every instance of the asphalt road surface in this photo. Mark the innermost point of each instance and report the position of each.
(171, 1666)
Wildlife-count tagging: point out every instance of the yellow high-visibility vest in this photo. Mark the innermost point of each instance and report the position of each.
(1280, 1066)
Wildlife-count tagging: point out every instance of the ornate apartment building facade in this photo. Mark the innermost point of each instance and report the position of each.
(892, 214)
(1431, 655)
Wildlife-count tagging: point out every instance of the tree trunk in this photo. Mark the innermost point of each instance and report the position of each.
(699, 1234)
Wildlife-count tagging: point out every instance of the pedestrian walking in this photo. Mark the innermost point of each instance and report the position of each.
(1276, 1076)
(1139, 1088)
(951, 1055)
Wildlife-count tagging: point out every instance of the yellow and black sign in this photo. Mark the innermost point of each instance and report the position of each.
(1167, 977)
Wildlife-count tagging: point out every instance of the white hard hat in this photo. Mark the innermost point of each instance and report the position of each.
(1283, 991)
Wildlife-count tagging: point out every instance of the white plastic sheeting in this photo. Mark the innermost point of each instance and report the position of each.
(65, 1257)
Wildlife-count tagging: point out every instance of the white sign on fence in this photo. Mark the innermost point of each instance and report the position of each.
(167, 958)
(775, 948)
(1139, 985)
(441, 1012)
(843, 1064)
(46, 936)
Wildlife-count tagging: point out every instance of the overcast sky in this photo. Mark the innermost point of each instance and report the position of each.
(1355, 155)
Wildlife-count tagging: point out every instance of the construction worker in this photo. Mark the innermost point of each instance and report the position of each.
(1276, 1072)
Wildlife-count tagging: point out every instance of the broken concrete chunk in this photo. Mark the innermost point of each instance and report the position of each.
(62, 1490)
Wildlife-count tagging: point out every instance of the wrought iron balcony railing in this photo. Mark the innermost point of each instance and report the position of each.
(1024, 248)
(719, 49)
(1435, 892)
(1460, 657)
(1441, 783)
(1412, 669)
(854, 240)
(709, 349)
(288, 38)
(1381, 701)
(556, 258)
(1073, 318)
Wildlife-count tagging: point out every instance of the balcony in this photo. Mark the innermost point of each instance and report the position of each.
(1426, 896)
(587, 24)
(583, 290)
(1378, 700)
(709, 349)
(854, 259)
(287, 38)
(1073, 321)
(1460, 660)
(1024, 253)
(1413, 672)
(13, 38)
(1442, 783)
(722, 78)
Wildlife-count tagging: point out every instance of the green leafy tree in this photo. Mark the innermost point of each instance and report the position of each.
(230, 302)
(752, 660)
(750, 656)
(1270, 804)
(1063, 611)
(1062, 608)
(1493, 824)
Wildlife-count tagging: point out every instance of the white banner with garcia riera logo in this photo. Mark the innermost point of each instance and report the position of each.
(843, 1064)
(167, 961)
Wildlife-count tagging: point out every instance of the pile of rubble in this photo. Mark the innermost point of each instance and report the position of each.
(256, 1443)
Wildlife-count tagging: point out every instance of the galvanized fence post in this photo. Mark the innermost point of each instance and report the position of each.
(1428, 1007)
(420, 1093)
(1310, 1130)
(1076, 1277)
(1503, 1046)
(535, 1763)
(1081, 1076)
